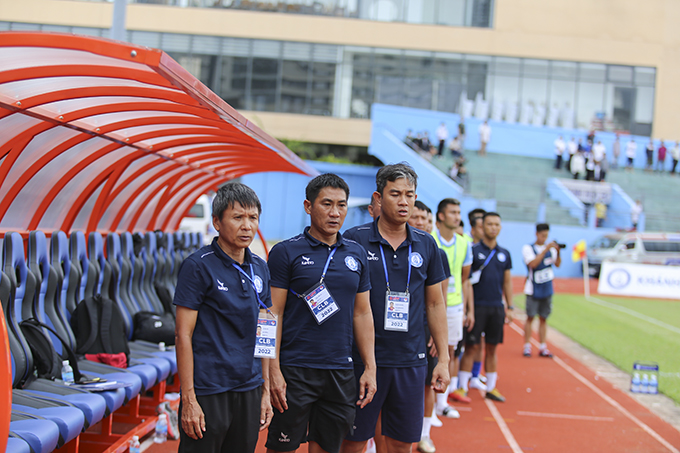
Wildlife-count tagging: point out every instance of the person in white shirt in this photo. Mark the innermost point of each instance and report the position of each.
(484, 137)
(442, 134)
(598, 152)
(675, 155)
(631, 149)
(572, 147)
(560, 146)
(635, 212)
(578, 164)
(616, 152)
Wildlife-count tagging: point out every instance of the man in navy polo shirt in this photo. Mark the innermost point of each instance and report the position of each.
(490, 277)
(406, 272)
(220, 291)
(320, 286)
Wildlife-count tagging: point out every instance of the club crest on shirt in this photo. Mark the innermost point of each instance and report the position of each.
(351, 263)
(259, 285)
(221, 287)
(306, 261)
(481, 256)
(415, 259)
(372, 257)
(501, 257)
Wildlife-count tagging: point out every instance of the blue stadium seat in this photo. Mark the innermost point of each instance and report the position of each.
(41, 435)
(17, 445)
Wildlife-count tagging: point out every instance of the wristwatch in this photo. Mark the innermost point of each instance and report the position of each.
(511, 307)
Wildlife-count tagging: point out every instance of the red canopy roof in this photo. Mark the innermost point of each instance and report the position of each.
(103, 135)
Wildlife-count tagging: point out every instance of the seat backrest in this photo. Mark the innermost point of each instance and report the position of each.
(149, 256)
(81, 264)
(119, 292)
(165, 277)
(95, 246)
(137, 261)
(61, 262)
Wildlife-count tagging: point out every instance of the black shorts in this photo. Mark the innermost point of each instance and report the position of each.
(490, 321)
(321, 408)
(232, 423)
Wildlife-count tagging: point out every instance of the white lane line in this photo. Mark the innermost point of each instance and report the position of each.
(634, 313)
(604, 396)
(503, 427)
(566, 416)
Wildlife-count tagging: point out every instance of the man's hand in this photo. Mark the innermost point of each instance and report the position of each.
(440, 377)
(278, 389)
(509, 315)
(433, 347)
(193, 420)
(266, 411)
(470, 321)
(367, 387)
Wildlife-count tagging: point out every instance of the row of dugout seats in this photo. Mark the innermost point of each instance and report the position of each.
(48, 286)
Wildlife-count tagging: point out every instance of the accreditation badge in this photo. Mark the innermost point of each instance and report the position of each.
(265, 340)
(321, 303)
(396, 311)
(475, 276)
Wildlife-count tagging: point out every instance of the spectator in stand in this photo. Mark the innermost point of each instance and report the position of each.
(616, 152)
(484, 137)
(650, 155)
(635, 212)
(410, 140)
(456, 147)
(461, 132)
(600, 213)
(591, 137)
(425, 144)
(602, 169)
(661, 157)
(631, 149)
(599, 155)
(560, 146)
(578, 164)
(442, 136)
(675, 155)
(590, 165)
(572, 147)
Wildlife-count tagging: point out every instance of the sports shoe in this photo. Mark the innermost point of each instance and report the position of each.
(495, 395)
(448, 412)
(460, 395)
(482, 378)
(527, 351)
(435, 421)
(426, 446)
(545, 353)
(476, 383)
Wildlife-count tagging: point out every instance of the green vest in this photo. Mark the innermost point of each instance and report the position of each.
(456, 255)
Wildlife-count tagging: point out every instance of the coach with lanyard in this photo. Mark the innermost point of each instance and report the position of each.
(540, 259)
(222, 300)
(320, 291)
(406, 274)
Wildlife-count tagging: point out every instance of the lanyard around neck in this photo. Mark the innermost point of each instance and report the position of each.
(328, 262)
(488, 258)
(251, 278)
(387, 278)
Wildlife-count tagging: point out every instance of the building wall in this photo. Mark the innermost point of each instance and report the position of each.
(627, 32)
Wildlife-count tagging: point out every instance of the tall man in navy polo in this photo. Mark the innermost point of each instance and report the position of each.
(320, 286)
(490, 278)
(221, 289)
(406, 272)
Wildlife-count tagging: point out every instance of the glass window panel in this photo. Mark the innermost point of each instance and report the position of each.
(421, 12)
(451, 12)
(644, 105)
(263, 84)
(49, 28)
(505, 89)
(24, 27)
(565, 70)
(506, 66)
(294, 85)
(562, 94)
(418, 92)
(448, 95)
(236, 47)
(590, 100)
(326, 53)
(200, 66)
(620, 73)
(390, 90)
(536, 68)
(209, 45)
(4, 26)
(645, 76)
(233, 84)
(145, 38)
(535, 91)
(297, 51)
(481, 11)
(323, 86)
(266, 49)
(171, 42)
(363, 80)
(592, 72)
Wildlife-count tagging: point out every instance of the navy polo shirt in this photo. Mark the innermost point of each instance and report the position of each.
(399, 349)
(297, 264)
(489, 291)
(224, 337)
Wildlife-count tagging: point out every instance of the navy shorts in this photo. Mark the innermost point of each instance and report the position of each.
(400, 397)
(489, 322)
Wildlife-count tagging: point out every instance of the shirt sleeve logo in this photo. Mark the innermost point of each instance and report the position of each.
(372, 257)
(221, 287)
(259, 285)
(416, 260)
(351, 263)
(306, 261)
(501, 257)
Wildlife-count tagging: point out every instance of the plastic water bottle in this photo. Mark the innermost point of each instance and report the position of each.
(161, 434)
(635, 383)
(644, 388)
(67, 373)
(134, 445)
(653, 385)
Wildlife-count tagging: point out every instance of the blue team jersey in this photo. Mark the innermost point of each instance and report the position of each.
(296, 265)
(224, 337)
(489, 290)
(400, 349)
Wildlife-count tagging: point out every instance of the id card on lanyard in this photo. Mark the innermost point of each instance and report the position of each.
(265, 337)
(476, 275)
(396, 303)
(319, 299)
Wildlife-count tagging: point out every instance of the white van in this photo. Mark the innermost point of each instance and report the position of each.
(643, 248)
(199, 219)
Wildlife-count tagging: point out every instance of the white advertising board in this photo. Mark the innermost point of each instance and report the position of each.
(644, 280)
(589, 192)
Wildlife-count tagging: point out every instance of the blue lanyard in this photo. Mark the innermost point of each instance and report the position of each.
(455, 249)
(325, 269)
(251, 278)
(387, 278)
(488, 258)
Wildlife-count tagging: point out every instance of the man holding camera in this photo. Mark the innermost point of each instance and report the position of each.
(540, 259)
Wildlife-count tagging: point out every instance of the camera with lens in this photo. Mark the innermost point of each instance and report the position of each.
(562, 246)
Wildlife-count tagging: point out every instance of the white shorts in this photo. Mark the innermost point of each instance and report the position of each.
(455, 316)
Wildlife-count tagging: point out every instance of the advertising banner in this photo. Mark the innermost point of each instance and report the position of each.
(644, 280)
(589, 192)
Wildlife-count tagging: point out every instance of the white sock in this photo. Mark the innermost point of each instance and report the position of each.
(491, 379)
(464, 379)
(544, 346)
(527, 345)
(453, 385)
(427, 424)
(441, 401)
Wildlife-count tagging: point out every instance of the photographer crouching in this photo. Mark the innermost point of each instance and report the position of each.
(540, 259)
